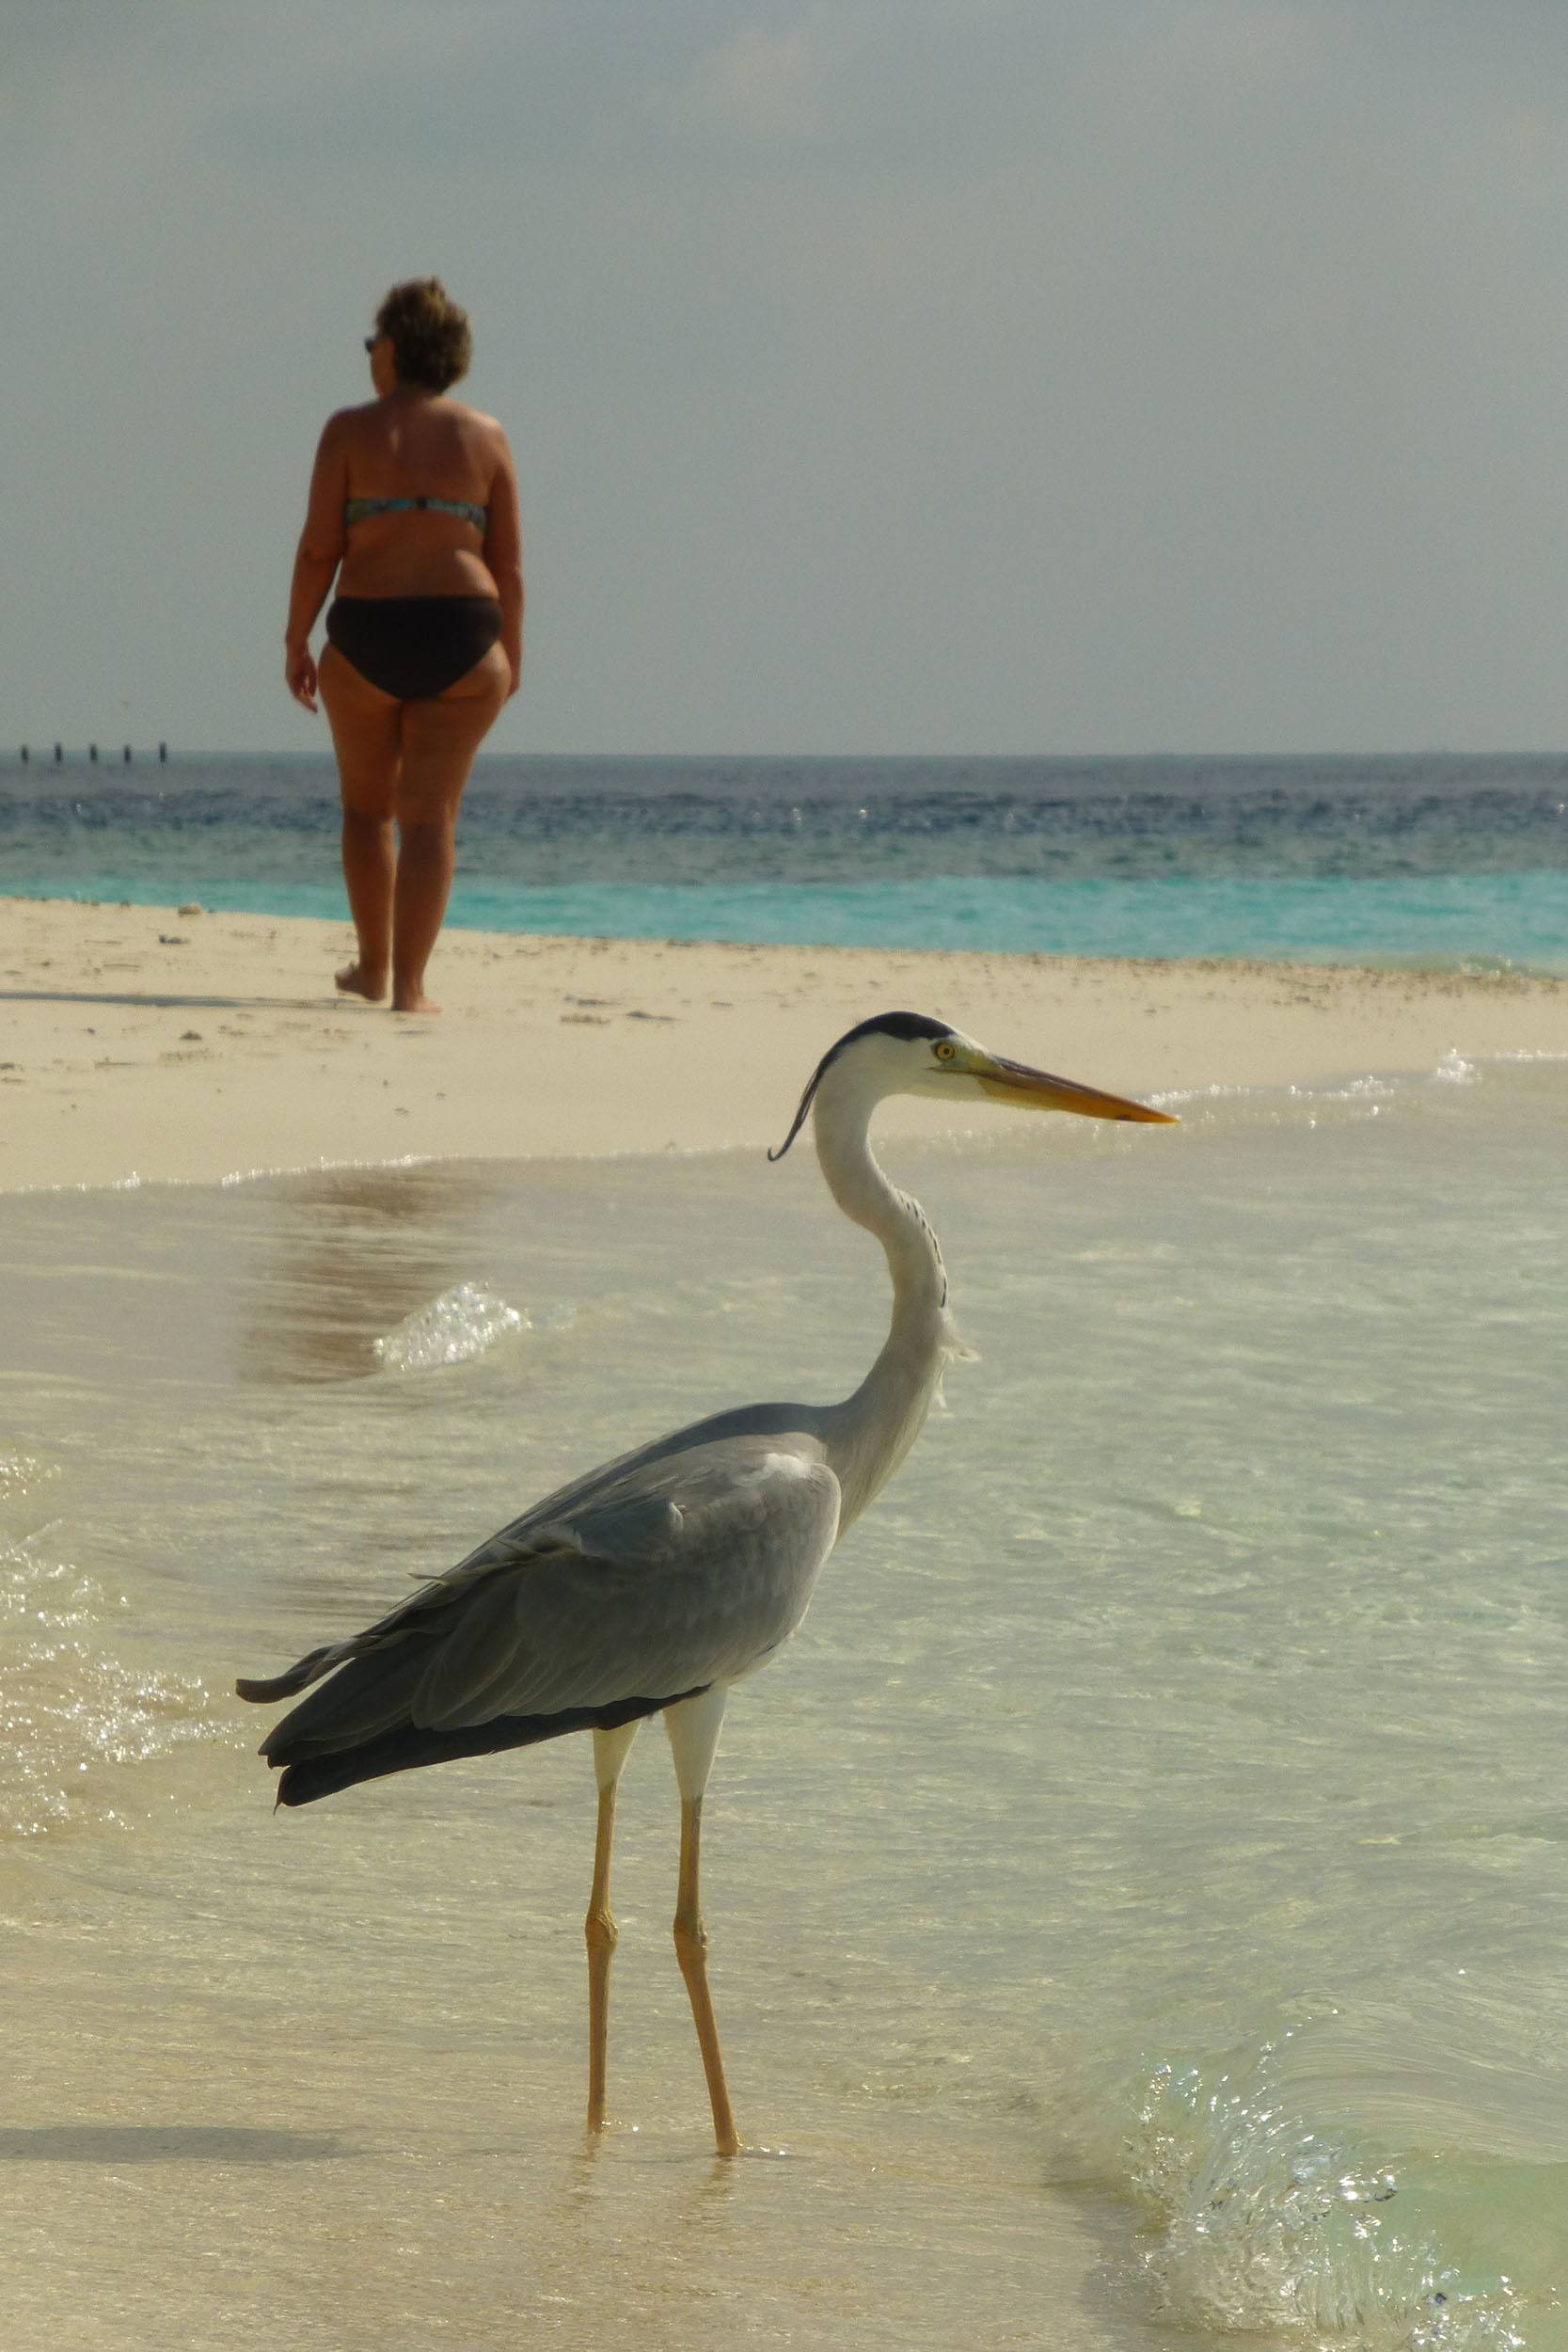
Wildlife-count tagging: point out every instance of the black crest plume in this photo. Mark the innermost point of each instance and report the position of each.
(904, 1024)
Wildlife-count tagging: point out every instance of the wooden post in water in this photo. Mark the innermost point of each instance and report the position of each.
(127, 755)
(58, 754)
(163, 755)
(24, 754)
(92, 753)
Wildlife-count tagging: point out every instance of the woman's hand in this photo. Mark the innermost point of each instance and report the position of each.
(299, 674)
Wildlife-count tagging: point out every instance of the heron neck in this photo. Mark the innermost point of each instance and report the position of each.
(873, 1430)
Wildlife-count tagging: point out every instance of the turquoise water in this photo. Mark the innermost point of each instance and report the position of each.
(1420, 923)
(1138, 1898)
(1436, 920)
(1417, 861)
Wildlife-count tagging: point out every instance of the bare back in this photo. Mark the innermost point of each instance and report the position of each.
(411, 446)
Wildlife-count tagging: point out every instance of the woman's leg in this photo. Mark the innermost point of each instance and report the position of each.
(367, 735)
(440, 740)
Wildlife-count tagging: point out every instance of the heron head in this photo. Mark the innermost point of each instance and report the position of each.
(908, 1053)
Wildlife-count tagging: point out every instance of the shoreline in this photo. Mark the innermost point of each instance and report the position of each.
(140, 1043)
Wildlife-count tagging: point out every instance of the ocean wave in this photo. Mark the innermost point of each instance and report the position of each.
(1267, 2215)
(1364, 1090)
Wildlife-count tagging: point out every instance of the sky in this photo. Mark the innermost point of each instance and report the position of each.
(1020, 376)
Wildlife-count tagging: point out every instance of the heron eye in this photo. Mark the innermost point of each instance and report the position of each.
(945, 1051)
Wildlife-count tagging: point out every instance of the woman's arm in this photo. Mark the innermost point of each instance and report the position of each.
(320, 551)
(503, 554)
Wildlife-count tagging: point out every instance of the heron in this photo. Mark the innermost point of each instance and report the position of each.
(651, 1584)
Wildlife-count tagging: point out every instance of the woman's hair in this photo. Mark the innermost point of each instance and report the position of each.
(432, 344)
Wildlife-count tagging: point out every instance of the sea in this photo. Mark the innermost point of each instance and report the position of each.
(1436, 859)
(1137, 1899)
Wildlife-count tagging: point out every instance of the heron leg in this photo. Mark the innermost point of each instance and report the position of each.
(691, 1952)
(601, 1933)
(693, 1727)
(611, 1749)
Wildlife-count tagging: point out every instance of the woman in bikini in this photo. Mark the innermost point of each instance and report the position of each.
(415, 498)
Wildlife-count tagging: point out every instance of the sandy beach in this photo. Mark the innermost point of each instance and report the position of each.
(168, 1044)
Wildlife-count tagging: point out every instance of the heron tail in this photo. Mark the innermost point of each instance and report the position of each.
(407, 1746)
(263, 1690)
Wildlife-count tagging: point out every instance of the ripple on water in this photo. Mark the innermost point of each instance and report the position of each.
(72, 1709)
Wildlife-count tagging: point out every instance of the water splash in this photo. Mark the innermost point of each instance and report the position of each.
(461, 1325)
(1269, 2219)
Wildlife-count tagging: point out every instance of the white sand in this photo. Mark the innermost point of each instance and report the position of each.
(141, 1043)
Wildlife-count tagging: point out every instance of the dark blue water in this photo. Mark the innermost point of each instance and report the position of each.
(1420, 858)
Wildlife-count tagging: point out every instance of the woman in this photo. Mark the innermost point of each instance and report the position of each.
(416, 498)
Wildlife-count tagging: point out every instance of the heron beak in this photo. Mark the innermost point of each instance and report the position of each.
(1027, 1089)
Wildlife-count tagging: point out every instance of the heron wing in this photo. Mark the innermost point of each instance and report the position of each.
(690, 1576)
(679, 1572)
(647, 1476)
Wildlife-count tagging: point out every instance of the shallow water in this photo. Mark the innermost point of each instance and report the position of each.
(1137, 1897)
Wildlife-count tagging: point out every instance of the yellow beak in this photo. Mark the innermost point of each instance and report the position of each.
(1036, 1090)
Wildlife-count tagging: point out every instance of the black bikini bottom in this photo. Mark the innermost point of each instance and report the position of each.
(413, 646)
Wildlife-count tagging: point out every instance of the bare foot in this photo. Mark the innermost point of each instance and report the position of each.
(356, 981)
(412, 1000)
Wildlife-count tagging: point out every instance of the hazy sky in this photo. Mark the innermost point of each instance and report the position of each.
(988, 375)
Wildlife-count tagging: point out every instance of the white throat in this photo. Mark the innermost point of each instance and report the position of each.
(870, 1433)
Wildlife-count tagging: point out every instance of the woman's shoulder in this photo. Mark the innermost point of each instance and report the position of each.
(475, 422)
(363, 412)
(348, 424)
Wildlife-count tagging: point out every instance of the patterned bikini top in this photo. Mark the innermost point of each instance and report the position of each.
(359, 510)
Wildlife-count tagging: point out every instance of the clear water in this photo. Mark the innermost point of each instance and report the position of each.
(1138, 1897)
(1424, 860)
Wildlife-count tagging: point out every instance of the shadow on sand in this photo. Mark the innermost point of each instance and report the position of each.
(165, 1003)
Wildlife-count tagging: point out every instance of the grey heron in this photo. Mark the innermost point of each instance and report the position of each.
(651, 1584)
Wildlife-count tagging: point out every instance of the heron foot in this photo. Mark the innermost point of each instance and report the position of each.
(609, 2127)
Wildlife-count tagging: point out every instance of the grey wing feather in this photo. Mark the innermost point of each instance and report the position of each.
(667, 1575)
(643, 1593)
